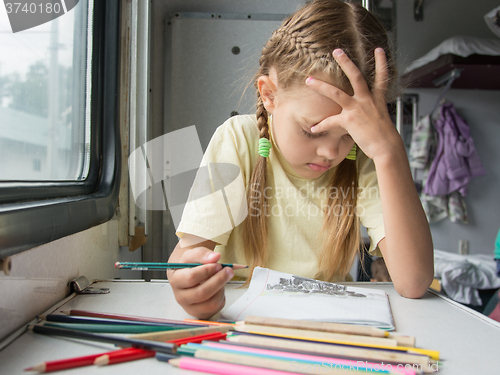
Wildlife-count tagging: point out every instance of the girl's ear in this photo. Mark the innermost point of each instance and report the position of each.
(267, 90)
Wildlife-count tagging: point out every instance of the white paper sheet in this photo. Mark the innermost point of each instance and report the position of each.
(356, 306)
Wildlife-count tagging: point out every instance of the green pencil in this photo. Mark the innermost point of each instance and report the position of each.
(162, 347)
(145, 266)
(111, 328)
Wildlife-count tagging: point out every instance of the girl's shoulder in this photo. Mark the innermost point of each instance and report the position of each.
(241, 126)
(236, 141)
(238, 132)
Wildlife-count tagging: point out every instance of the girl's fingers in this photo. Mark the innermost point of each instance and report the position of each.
(207, 309)
(205, 291)
(191, 277)
(328, 123)
(355, 77)
(352, 72)
(337, 95)
(199, 255)
(381, 74)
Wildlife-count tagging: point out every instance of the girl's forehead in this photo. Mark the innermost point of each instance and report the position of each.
(311, 106)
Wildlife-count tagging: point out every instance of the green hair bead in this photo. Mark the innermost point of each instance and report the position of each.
(352, 154)
(264, 147)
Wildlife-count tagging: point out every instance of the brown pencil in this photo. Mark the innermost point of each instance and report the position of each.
(305, 334)
(350, 329)
(132, 318)
(179, 334)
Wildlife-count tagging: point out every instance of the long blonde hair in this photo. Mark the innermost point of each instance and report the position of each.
(302, 47)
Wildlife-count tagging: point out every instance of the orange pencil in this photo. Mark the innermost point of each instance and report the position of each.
(207, 322)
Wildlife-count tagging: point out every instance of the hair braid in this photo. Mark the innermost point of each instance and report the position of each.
(255, 232)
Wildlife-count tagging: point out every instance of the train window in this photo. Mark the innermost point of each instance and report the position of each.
(44, 125)
(59, 131)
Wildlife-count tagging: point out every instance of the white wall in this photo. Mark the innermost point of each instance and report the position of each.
(39, 277)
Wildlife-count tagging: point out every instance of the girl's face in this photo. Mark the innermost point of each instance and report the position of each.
(310, 155)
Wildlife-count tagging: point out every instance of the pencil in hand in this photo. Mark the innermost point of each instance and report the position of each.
(145, 266)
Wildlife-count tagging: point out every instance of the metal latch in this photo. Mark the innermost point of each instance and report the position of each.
(81, 285)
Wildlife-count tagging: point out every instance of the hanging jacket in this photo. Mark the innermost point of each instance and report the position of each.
(456, 160)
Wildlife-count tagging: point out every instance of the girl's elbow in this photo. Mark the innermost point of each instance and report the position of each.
(414, 289)
(412, 293)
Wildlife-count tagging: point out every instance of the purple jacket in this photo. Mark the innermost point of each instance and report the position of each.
(456, 160)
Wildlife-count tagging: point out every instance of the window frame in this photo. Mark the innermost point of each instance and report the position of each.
(35, 213)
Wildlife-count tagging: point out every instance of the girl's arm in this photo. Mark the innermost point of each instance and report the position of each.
(407, 247)
(199, 290)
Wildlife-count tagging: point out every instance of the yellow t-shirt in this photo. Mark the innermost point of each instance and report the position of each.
(295, 217)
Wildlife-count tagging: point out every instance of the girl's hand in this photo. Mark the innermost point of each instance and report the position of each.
(199, 290)
(364, 114)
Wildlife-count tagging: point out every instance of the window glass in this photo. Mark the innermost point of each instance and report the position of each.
(45, 97)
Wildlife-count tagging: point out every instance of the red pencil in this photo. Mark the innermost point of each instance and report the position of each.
(64, 364)
(215, 336)
(120, 356)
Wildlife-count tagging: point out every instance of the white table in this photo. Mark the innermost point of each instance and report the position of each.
(468, 341)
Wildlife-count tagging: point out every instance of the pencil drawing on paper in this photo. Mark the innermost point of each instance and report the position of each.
(304, 285)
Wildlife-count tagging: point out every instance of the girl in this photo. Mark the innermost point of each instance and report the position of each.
(335, 159)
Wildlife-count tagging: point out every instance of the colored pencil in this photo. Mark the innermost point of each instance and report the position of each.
(200, 338)
(165, 357)
(127, 317)
(112, 328)
(221, 368)
(61, 318)
(179, 334)
(315, 326)
(208, 322)
(69, 363)
(291, 364)
(203, 351)
(184, 350)
(120, 341)
(304, 334)
(126, 355)
(145, 266)
(121, 356)
(351, 329)
(331, 350)
(307, 336)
